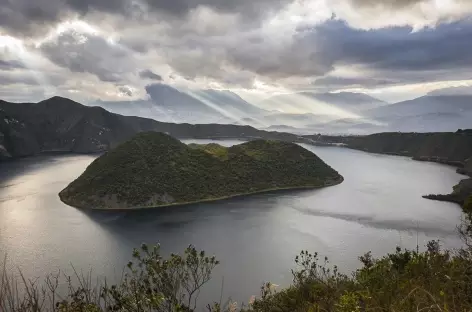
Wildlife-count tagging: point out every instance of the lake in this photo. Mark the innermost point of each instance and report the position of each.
(378, 207)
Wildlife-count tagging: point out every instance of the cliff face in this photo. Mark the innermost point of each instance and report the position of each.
(60, 124)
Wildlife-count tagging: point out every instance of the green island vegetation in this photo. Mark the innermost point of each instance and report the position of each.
(154, 169)
(403, 280)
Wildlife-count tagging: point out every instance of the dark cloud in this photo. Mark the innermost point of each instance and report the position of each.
(109, 6)
(389, 56)
(296, 59)
(88, 53)
(10, 65)
(249, 8)
(382, 56)
(445, 47)
(386, 3)
(26, 17)
(149, 74)
(125, 90)
(226, 50)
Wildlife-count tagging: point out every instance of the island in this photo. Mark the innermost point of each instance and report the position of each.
(153, 169)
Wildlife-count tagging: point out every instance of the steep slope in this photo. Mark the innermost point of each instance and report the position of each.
(59, 124)
(154, 169)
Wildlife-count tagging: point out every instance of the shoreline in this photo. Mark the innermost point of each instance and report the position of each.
(459, 165)
(290, 188)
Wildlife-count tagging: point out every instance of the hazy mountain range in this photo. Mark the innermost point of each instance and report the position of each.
(62, 125)
(168, 104)
(424, 114)
(304, 112)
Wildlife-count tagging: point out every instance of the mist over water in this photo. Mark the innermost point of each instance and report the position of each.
(377, 207)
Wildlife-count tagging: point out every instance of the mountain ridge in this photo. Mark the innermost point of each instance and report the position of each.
(60, 124)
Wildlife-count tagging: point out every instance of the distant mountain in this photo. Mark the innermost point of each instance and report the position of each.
(441, 113)
(295, 120)
(349, 102)
(230, 102)
(425, 114)
(429, 104)
(464, 90)
(169, 104)
(60, 124)
(323, 109)
(181, 105)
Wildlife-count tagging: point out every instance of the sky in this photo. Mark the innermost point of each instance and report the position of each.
(111, 50)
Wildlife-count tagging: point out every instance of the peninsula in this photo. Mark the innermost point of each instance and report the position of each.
(154, 169)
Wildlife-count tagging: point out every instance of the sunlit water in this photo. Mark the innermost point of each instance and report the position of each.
(377, 207)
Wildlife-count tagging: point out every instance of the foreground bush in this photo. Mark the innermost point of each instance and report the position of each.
(405, 280)
(151, 283)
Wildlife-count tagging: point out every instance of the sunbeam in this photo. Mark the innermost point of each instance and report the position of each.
(300, 103)
(16, 48)
(232, 115)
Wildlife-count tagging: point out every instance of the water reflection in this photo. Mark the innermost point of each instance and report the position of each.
(377, 207)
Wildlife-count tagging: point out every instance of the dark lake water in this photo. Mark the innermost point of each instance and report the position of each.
(377, 207)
